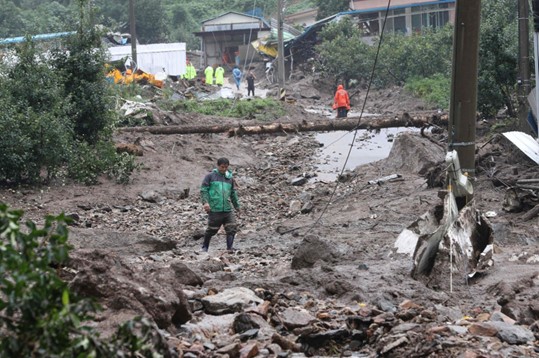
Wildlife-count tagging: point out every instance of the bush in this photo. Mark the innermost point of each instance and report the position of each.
(262, 108)
(39, 316)
(88, 162)
(435, 89)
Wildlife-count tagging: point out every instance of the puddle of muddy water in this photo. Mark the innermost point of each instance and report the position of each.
(368, 146)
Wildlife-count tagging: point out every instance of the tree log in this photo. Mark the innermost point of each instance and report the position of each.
(347, 124)
(530, 214)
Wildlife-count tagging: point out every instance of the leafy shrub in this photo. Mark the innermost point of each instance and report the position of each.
(39, 316)
(262, 108)
(435, 89)
(87, 162)
(35, 130)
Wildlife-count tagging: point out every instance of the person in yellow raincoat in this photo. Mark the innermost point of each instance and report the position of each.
(190, 71)
(219, 76)
(208, 72)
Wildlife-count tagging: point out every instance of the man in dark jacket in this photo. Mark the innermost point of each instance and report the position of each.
(218, 196)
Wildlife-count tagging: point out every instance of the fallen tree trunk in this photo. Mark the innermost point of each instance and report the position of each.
(319, 126)
(530, 214)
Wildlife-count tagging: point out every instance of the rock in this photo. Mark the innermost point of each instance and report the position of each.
(284, 343)
(243, 322)
(150, 292)
(483, 329)
(307, 207)
(249, 351)
(295, 206)
(298, 181)
(230, 300)
(233, 350)
(513, 334)
(320, 339)
(250, 334)
(151, 197)
(310, 250)
(294, 318)
(185, 275)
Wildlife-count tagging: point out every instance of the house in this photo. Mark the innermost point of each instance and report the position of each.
(302, 18)
(405, 16)
(226, 39)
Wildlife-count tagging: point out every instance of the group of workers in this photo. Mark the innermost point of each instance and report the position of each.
(216, 75)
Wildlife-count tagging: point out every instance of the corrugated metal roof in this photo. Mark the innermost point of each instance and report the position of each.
(526, 143)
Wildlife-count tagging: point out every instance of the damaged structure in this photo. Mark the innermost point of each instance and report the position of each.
(226, 39)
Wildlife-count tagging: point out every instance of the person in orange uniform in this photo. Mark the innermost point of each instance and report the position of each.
(341, 102)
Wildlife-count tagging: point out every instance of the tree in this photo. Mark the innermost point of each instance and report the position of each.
(498, 53)
(331, 7)
(342, 52)
(82, 69)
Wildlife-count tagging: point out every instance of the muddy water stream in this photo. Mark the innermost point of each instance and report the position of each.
(368, 146)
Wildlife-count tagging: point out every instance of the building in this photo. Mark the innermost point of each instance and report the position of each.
(405, 16)
(226, 39)
(169, 58)
(302, 18)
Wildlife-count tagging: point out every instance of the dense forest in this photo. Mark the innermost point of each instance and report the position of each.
(157, 20)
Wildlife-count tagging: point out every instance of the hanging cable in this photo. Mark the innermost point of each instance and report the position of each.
(316, 222)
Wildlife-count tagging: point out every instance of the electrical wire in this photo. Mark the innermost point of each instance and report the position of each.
(317, 221)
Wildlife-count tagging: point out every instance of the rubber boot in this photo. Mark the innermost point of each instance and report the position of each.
(230, 242)
(206, 244)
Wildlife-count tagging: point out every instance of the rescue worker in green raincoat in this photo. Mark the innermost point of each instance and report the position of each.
(208, 72)
(218, 194)
(219, 76)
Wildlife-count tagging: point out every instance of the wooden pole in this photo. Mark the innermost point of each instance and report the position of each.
(280, 45)
(133, 31)
(523, 63)
(463, 105)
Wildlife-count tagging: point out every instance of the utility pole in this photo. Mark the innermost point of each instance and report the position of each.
(132, 30)
(280, 49)
(463, 106)
(523, 62)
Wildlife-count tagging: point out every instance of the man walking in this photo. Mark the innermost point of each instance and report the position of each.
(341, 102)
(236, 73)
(218, 193)
(250, 83)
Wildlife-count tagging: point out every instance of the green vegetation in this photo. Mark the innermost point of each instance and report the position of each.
(263, 109)
(331, 7)
(434, 90)
(57, 114)
(39, 316)
(419, 60)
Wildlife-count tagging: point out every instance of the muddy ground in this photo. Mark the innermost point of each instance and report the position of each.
(316, 273)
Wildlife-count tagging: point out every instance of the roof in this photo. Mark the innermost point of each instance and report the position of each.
(320, 23)
(312, 11)
(404, 6)
(237, 13)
